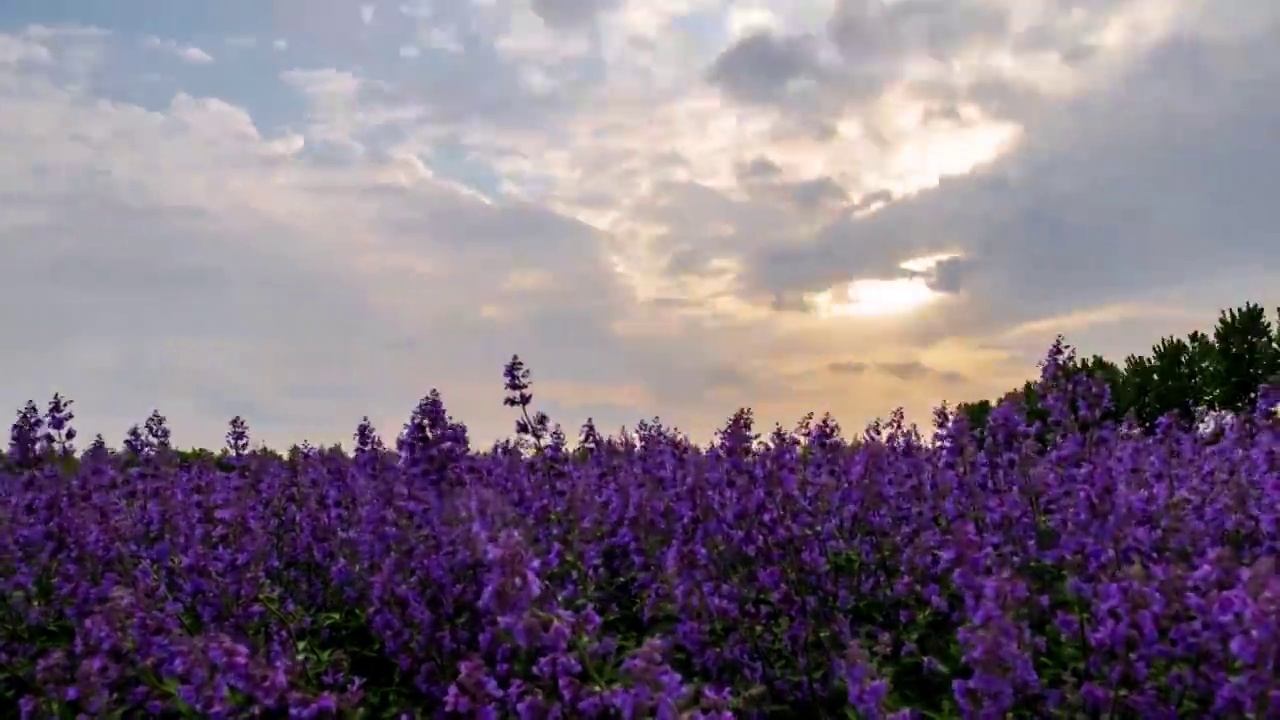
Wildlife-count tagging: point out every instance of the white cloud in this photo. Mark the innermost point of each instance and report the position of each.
(187, 53)
(15, 50)
(175, 225)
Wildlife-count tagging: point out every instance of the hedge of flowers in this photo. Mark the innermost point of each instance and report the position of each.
(1073, 569)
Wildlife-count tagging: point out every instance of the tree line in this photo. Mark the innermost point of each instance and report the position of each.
(1185, 379)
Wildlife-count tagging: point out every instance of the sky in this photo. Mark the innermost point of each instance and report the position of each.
(308, 211)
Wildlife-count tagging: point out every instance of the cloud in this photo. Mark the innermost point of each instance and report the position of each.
(186, 53)
(911, 370)
(760, 168)
(671, 207)
(905, 370)
(19, 50)
(570, 13)
(878, 35)
(847, 367)
(1089, 209)
(202, 264)
(761, 67)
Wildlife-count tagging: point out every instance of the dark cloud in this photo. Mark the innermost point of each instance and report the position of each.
(909, 370)
(760, 168)
(693, 259)
(571, 13)
(915, 370)
(704, 224)
(845, 249)
(759, 67)
(763, 180)
(948, 275)
(847, 367)
(785, 302)
(818, 192)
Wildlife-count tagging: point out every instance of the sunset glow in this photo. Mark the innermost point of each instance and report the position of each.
(873, 298)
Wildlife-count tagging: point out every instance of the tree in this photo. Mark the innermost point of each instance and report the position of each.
(1247, 353)
(1222, 372)
(1175, 385)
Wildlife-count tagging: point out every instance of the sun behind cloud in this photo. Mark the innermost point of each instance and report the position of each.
(873, 298)
(879, 297)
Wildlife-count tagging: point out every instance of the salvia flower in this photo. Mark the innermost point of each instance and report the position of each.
(1032, 563)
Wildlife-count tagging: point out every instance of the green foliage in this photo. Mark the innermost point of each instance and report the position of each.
(1218, 372)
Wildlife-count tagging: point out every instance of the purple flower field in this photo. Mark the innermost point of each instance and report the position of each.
(1074, 569)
